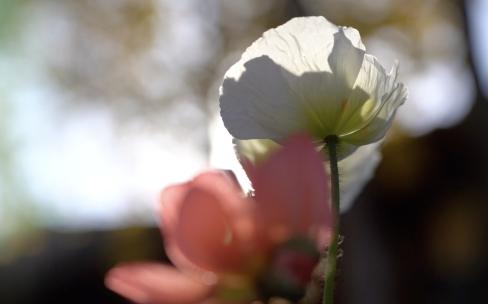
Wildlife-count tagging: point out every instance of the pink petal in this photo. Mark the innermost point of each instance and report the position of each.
(155, 283)
(207, 224)
(171, 200)
(292, 192)
(205, 233)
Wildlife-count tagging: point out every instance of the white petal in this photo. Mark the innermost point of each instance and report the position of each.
(346, 57)
(254, 150)
(327, 92)
(356, 171)
(292, 79)
(300, 45)
(260, 104)
(372, 104)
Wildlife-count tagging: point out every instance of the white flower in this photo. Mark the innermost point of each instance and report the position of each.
(356, 170)
(309, 75)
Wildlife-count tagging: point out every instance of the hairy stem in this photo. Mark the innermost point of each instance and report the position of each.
(331, 265)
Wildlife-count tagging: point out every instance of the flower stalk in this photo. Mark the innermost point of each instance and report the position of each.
(331, 265)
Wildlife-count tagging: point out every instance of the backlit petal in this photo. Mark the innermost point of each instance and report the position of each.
(156, 284)
(356, 171)
(294, 78)
(373, 103)
(205, 233)
(208, 227)
(310, 76)
(292, 192)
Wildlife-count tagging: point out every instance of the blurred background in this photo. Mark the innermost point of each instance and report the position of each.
(104, 102)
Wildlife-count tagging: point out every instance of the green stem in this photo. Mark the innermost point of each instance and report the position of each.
(330, 269)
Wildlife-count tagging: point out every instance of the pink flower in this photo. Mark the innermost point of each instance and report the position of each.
(224, 243)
